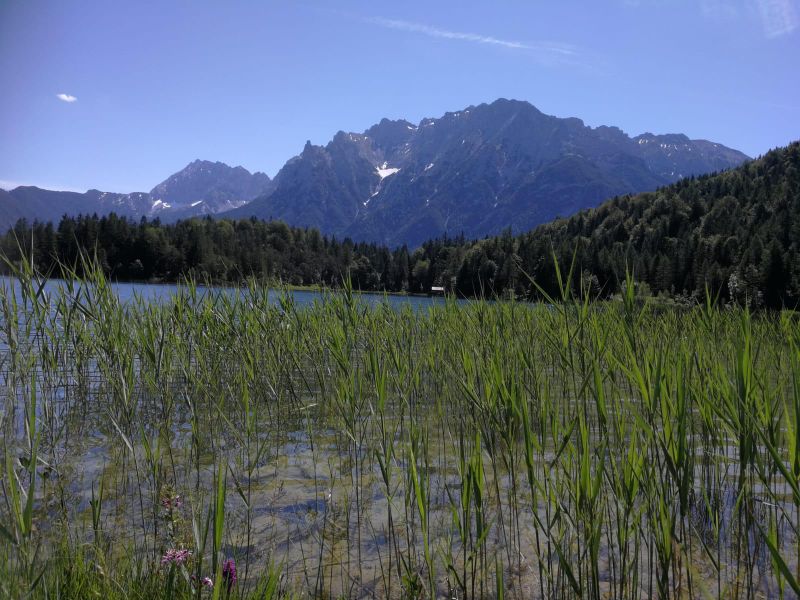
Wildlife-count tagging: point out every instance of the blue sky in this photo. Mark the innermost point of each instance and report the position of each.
(119, 95)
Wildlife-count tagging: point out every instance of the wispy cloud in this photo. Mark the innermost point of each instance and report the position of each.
(66, 98)
(719, 10)
(550, 50)
(778, 17)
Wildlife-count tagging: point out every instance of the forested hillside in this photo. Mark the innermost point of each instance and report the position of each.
(737, 232)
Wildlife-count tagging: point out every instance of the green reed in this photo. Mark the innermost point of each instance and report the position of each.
(621, 449)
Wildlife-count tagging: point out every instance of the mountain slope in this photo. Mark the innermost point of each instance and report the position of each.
(322, 188)
(211, 186)
(33, 203)
(475, 172)
(201, 188)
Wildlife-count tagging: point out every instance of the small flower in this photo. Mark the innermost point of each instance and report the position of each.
(176, 557)
(170, 502)
(229, 573)
(204, 582)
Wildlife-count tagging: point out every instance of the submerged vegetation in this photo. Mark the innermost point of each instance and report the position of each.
(235, 446)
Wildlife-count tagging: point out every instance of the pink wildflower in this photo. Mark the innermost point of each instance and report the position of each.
(172, 502)
(229, 573)
(176, 557)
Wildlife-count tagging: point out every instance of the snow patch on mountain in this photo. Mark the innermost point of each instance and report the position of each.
(385, 170)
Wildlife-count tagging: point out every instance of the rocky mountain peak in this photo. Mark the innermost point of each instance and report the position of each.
(474, 171)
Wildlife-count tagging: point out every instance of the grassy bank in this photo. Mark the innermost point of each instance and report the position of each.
(484, 450)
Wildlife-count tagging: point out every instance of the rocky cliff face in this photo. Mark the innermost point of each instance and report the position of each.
(475, 171)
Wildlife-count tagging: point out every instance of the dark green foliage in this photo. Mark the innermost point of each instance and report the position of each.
(736, 232)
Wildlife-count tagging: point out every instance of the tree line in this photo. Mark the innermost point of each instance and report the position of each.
(735, 233)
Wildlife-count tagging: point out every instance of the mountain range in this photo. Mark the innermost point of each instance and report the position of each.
(202, 187)
(475, 172)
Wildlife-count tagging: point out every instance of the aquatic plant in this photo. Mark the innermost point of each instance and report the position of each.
(238, 444)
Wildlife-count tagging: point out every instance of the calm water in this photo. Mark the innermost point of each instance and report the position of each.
(163, 293)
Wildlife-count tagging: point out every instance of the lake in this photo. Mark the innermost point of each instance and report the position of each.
(163, 292)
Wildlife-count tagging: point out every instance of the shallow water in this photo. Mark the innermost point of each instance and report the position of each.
(151, 399)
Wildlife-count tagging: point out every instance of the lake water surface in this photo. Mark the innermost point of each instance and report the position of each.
(164, 292)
